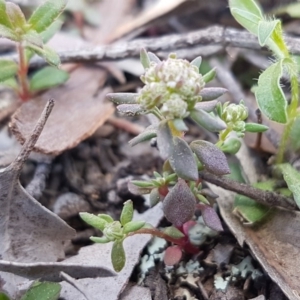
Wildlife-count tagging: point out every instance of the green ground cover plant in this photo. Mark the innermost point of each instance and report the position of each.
(30, 37)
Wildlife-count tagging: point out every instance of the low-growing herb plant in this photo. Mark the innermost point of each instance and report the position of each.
(30, 37)
(175, 90)
(269, 94)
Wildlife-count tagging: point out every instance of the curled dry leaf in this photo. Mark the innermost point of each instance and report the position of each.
(76, 116)
(28, 231)
(180, 204)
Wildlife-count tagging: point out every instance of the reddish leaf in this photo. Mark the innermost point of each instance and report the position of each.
(172, 256)
(179, 205)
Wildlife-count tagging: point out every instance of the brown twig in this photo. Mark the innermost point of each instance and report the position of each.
(264, 197)
(214, 35)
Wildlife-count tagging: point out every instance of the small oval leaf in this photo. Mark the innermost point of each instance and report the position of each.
(173, 232)
(122, 98)
(118, 257)
(210, 75)
(93, 220)
(146, 135)
(269, 94)
(100, 240)
(154, 197)
(172, 255)
(213, 159)
(254, 127)
(144, 58)
(43, 291)
(164, 139)
(209, 94)
(127, 212)
(182, 160)
(46, 14)
(179, 204)
(209, 122)
(8, 69)
(210, 217)
(47, 77)
(247, 13)
(133, 226)
(131, 110)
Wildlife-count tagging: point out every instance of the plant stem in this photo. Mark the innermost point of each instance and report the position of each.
(24, 93)
(158, 233)
(292, 114)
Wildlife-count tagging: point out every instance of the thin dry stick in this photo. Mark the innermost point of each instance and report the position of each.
(264, 197)
(214, 35)
(30, 142)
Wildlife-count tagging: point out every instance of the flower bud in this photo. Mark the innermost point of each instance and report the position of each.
(113, 231)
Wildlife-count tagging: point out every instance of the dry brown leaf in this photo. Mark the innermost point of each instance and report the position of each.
(110, 288)
(28, 231)
(76, 115)
(161, 9)
(275, 243)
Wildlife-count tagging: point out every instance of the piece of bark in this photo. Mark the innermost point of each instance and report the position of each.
(76, 115)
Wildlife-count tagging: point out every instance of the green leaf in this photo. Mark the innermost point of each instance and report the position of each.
(179, 125)
(154, 197)
(3, 297)
(106, 218)
(292, 178)
(249, 210)
(47, 53)
(164, 139)
(8, 69)
(247, 13)
(122, 98)
(16, 16)
(118, 257)
(197, 62)
(51, 30)
(43, 291)
(46, 14)
(8, 33)
(265, 30)
(207, 121)
(4, 20)
(133, 226)
(32, 37)
(144, 58)
(294, 136)
(213, 159)
(146, 135)
(93, 220)
(269, 94)
(210, 75)
(254, 127)
(231, 146)
(46, 78)
(11, 83)
(182, 160)
(100, 240)
(127, 212)
(173, 232)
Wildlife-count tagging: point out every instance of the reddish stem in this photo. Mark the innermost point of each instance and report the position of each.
(24, 92)
(159, 234)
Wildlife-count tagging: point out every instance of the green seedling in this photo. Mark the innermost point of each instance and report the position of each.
(175, 90)
(30, 37)
(269, 94)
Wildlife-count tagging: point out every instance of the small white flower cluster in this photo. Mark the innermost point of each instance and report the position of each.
(173, 86)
